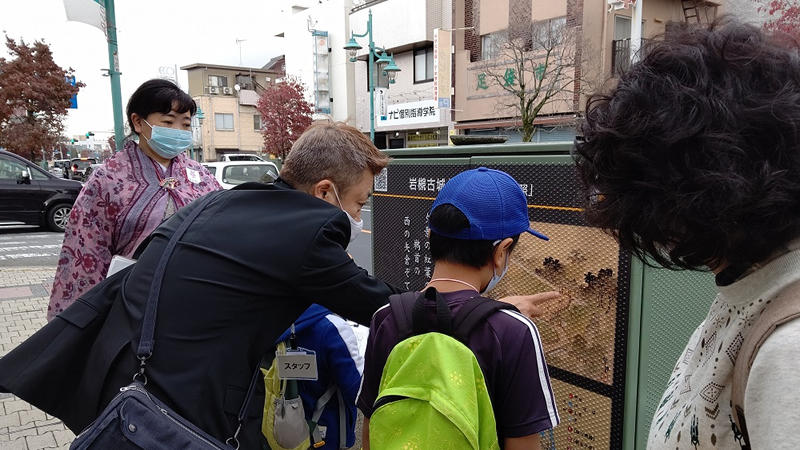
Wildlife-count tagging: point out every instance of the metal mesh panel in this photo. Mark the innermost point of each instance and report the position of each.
(666, 293)
(584, 335)
(584, 419)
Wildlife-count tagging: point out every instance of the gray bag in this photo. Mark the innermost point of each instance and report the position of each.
(289, 426)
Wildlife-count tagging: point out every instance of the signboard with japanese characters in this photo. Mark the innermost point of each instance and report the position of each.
(442, 67)
(584, 333)
(412, 113)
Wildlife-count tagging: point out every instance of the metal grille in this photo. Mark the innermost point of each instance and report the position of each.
(667, 293)
(584, 335)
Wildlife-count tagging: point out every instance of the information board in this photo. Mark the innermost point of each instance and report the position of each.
(584, 334)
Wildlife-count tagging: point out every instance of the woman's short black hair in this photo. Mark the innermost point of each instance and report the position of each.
(450, 219)
(693, 158)
(160, 96)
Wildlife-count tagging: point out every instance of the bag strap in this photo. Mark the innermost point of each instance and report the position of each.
(146, 342)
(784, 308)
(316, 435)
(342, 420)
(473, 312)
(402, 309)
(409, 314)
(145, 349)
(421, 320)
(322, 402)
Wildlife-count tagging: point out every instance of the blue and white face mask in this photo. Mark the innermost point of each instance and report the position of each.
(168, 142)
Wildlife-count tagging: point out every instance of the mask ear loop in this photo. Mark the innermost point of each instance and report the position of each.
(337, 196)
(151, 131)
(505, 268)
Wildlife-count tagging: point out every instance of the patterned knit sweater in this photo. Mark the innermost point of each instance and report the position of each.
(695, 410)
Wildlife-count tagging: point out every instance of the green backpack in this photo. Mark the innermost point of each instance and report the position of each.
(432, 392)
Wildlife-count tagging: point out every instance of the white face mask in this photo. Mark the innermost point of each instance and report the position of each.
(495, 277)
(355, 226)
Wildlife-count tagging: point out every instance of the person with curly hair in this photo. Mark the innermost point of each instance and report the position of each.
(693, 161)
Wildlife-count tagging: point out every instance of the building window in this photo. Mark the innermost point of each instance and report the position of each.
(257, 122)
(548, 34)
(217, 81)
(491, 44)
(423, 65)
(11, 170)
(224, 122)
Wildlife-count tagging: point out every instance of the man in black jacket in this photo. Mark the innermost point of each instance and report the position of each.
(249, 265)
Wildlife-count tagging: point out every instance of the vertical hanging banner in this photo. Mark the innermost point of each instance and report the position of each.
(442, 68)
(322, 72)
(91, 12)
(382, 106)
(73, 101)
(436, 64)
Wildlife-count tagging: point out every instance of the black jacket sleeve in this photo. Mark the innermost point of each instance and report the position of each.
(329, 277)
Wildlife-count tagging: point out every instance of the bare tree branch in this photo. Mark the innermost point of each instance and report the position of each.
(535, 65)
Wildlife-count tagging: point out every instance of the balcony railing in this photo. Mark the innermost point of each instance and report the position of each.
(620, 55)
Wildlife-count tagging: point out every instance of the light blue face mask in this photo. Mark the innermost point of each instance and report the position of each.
(168, 142)
(495, 277)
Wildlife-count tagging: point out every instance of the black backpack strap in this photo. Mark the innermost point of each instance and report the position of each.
(408, 310)
(402, 306)
(473, 312)
(421, 320)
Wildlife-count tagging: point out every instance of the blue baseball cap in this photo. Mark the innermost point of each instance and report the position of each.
(492, 201)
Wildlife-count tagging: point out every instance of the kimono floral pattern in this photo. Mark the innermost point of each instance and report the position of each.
(123, 201)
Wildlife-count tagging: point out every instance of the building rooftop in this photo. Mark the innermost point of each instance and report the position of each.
(224, 67)
(276, 64)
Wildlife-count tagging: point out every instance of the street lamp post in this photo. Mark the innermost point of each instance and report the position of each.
(384, 59)
(200, 116)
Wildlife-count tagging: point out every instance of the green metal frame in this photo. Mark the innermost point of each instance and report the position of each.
(650, 287)
(114, 73)
(631, 410)
(552, 148)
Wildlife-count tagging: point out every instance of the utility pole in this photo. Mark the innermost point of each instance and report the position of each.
(114, 73)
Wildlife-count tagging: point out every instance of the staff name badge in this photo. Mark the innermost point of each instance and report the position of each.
(193, 175)
(297, 364)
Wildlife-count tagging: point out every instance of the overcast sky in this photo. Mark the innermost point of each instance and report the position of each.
(151, 34)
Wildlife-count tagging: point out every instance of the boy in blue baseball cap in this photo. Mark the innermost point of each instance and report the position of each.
(475, 223)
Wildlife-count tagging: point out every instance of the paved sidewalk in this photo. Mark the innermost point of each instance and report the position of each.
(24, 293)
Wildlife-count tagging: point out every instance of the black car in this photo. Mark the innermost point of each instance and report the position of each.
(30, 195)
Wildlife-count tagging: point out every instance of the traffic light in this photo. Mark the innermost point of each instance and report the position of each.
(89, 133)
(73, 140)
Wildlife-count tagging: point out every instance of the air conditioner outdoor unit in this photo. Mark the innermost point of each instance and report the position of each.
(213, 90)
(226, 91)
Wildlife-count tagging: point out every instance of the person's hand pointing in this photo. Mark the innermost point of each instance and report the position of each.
(531, 305)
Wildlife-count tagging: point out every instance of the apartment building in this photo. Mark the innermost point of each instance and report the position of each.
(227, 97)
(597, 37)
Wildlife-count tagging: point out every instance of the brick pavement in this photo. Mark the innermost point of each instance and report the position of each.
(24, 293)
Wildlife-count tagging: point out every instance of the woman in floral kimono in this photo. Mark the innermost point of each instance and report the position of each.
(127, 197)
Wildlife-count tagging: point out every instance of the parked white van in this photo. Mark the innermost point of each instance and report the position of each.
(233, 173)
(240, 157)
